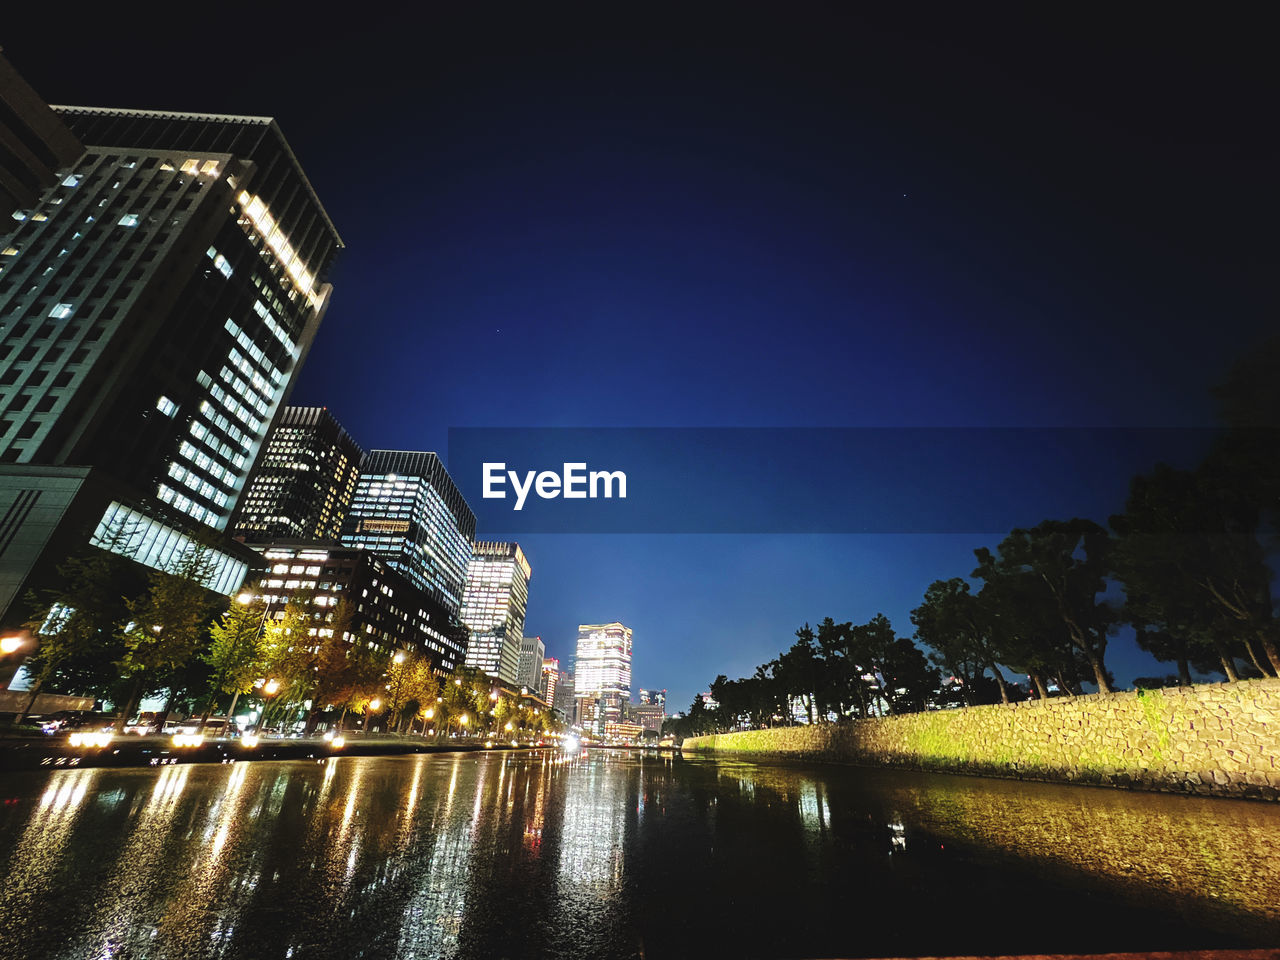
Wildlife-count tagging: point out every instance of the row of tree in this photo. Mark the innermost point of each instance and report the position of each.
(1185, 565)
(107, 634)
(839, 671)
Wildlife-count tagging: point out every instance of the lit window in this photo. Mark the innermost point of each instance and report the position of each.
(166, 406)
(129, 220)
(73, 180)
(61, 311)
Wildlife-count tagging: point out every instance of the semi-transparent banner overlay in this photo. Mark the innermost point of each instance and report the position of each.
(802, 480)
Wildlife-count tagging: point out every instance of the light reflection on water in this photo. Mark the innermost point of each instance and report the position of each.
(610, 854)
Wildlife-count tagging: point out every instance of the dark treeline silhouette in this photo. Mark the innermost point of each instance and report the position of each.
(1184, 565)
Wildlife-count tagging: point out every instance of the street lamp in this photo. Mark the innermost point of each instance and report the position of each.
(462, 722)
(11, 644)
(8, 646)
(269, 690)
(374, 706)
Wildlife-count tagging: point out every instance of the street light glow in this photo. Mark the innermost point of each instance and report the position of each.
(271, 687)
(10, 644)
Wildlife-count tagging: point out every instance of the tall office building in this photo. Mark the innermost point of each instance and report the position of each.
(157, 303)
(563, 700)
(304, 482)
(34, 144)
(602, 674)
(407, 510)
(387, 612)
(532, 652)
(493, 608)
(550, 680)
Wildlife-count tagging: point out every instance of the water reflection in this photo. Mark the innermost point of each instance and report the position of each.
(609, 854)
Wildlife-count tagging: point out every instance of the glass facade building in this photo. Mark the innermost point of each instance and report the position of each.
(388, 613)
(550, 679)
(156, 304)
(407, 510)
(305, 480)
(602, 674)
(493, 608)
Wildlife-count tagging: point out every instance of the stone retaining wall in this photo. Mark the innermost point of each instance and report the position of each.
(1219, 739)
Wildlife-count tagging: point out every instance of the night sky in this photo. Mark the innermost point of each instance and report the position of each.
(726, 215)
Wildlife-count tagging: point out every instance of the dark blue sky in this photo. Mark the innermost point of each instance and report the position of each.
(727, 215)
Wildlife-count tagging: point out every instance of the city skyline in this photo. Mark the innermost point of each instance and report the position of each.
(1004, 266)
(885, 398)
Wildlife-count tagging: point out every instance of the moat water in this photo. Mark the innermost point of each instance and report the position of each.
(615, 854)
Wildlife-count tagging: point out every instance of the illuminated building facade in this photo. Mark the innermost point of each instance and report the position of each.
(622, 730)
(658, 697)
(408, 511)
(602, 674)
(305, 480)
(493, 608)
(157, 303)
(550, 679)
(532, 653)
(649, 715)
(386, 611)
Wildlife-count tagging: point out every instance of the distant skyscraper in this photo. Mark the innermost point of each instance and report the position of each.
(34, 144)
(408, 511)
(658, 697)
(550, 680)
(305, 480)
(602, 674)
(532, 652)
(493, 608)
(157, 303)
(564, 699)
(652, 709)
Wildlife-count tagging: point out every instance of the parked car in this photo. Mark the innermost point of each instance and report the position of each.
(67, 721)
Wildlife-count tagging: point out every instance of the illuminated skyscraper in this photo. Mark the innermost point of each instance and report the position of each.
(532, 652)
(550, 680)
(408, 511)
(388, 613)
(305, 480)
(157, 303)
(602, 674)
(493, 608)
